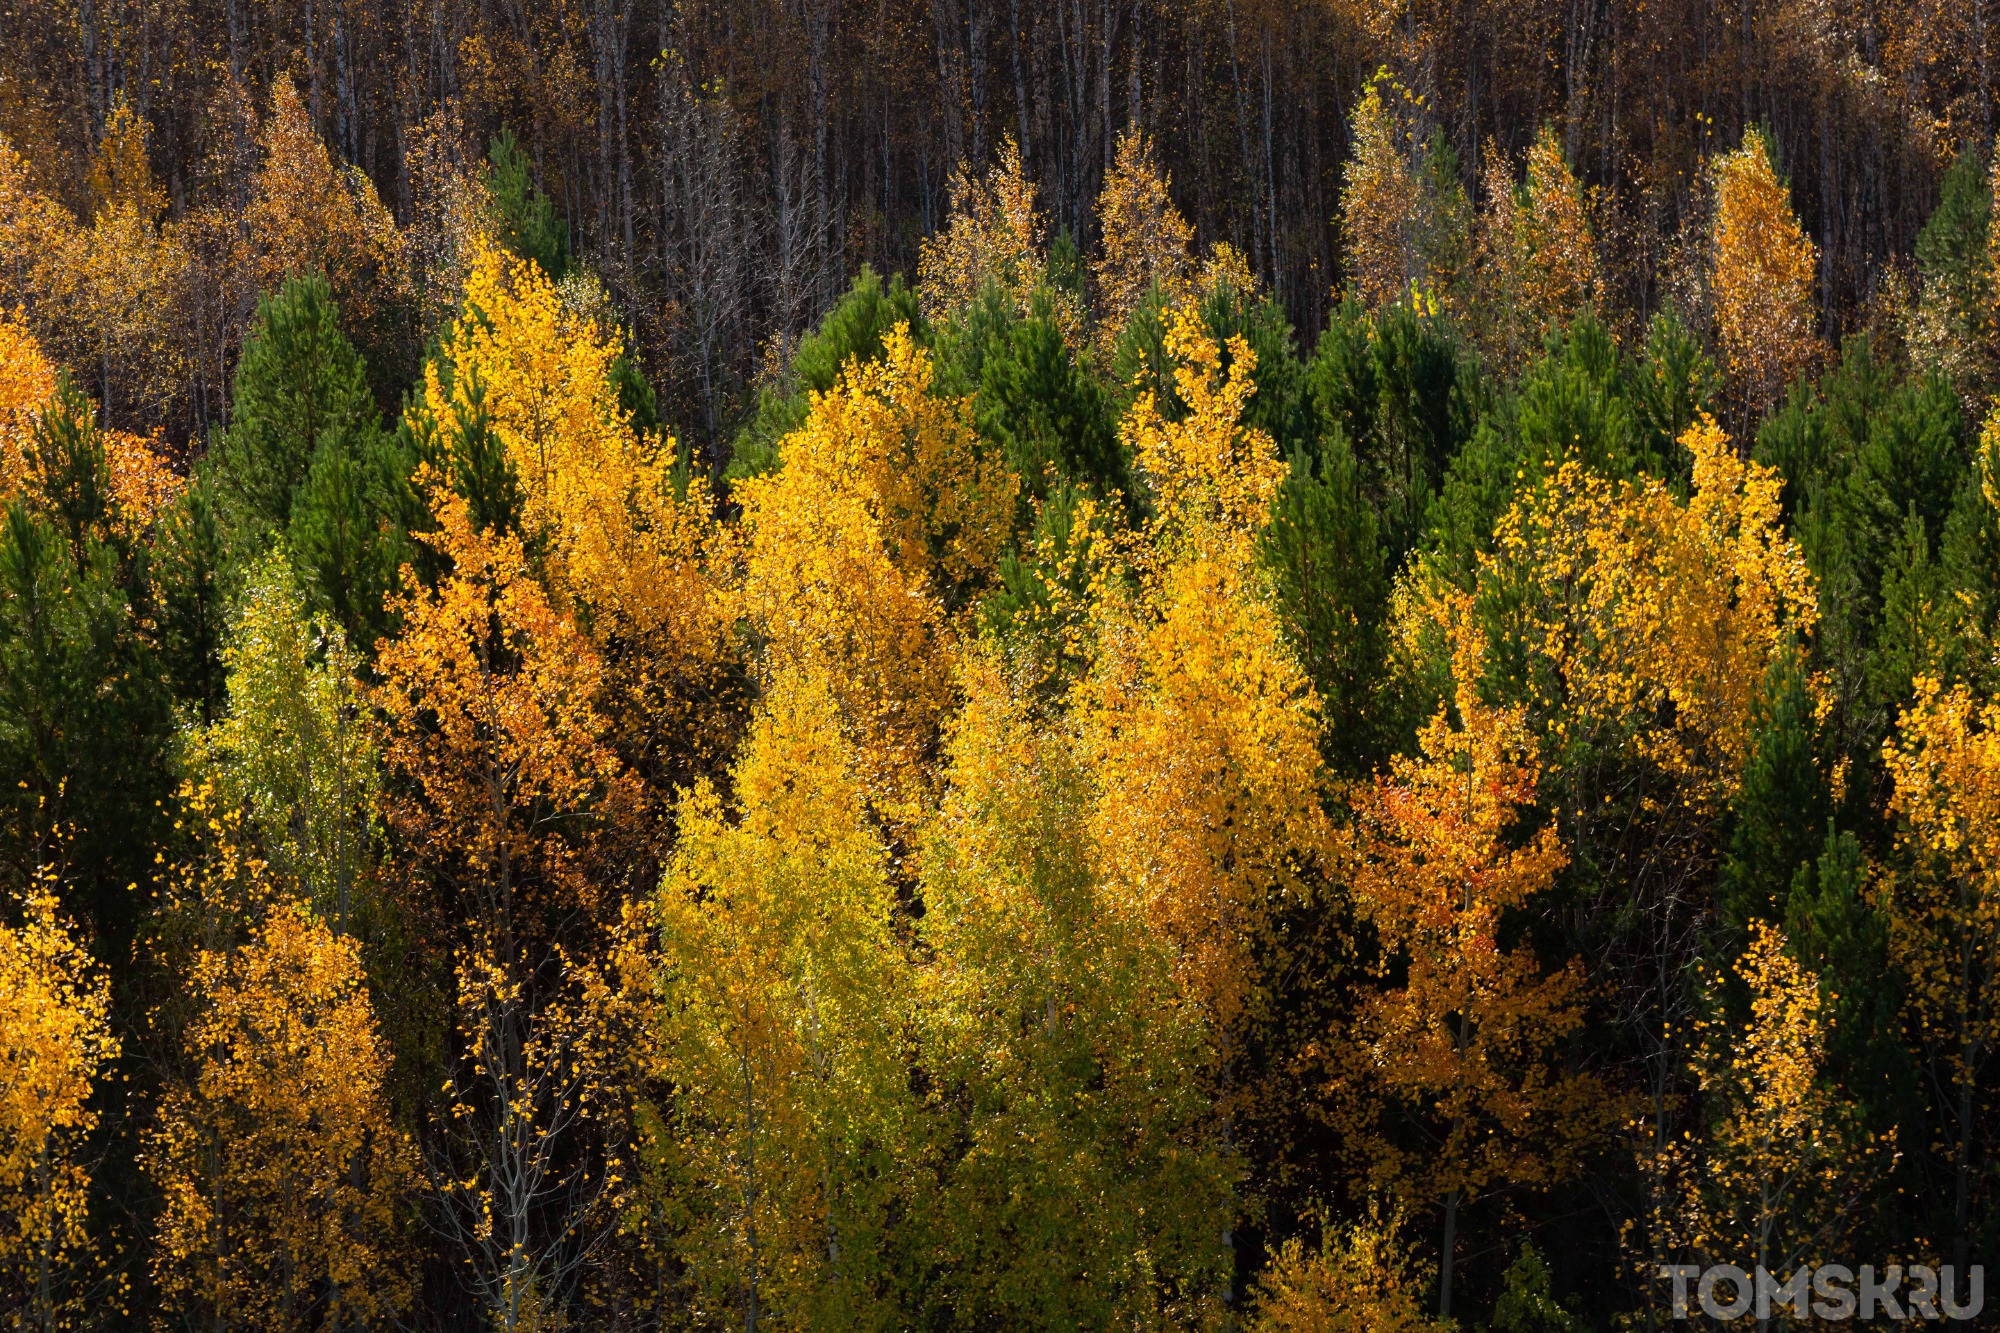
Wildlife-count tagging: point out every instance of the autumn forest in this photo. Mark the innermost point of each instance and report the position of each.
(1309, 667)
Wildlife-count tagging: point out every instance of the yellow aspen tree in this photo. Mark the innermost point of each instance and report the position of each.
(1080, 1182)
(55, 1041)
(1781, 1168)
(1146, 241)
(1944, 915)
(1361, 1279)
(308, 214)
(994, 235)
(27, 382)
(491, 724)
(283, 1176)
(1465, 1050)
(1377, 203)
(34, 235)
(120, 279)
(622, 539)
(885, 512)
(779, 989)
(1200, 725)
(1655, 616)
(1765, 275)
(1535, 246)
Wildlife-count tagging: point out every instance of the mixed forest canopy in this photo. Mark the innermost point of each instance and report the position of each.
(1046, 666)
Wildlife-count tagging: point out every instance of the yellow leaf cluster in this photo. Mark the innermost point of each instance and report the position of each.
(994, 235)
(777, 982)
(1779, 1152)
(599, 498)
(1360, 1280)
(1944, 913)
(1766, 271)
(885, 506)
(1146, 241)
(55, 1039)
(1212, 478)
(1637, 600)
(296, 1223)
(1201, 726)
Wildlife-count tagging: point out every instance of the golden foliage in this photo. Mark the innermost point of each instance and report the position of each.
(1779, 1164)
(1146, 241)
(111, 293)
(120, 176)
(994, 235)
(1201, 725)
(599, 498)
(1377, 203)
(1766, 274)
(1943, 914)
(1539, 260)
(1360, 1280)
(34, 233)
(27, 381)
(778, 989)
(281, 1172)
(885, 506)
(1636, 600)
(489, 697)
(140, 481)
(1052, 1004)
(55, 1040)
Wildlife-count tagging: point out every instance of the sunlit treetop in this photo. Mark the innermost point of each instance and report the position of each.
(1212, 476)
(995, 235)
(1147, 244)
(1766, 274)
(624, 535)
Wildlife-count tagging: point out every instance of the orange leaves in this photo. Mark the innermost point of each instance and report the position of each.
(490, 692)
(1765, 276)
(1467, 1041)
(308, 214)
(27, 381)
